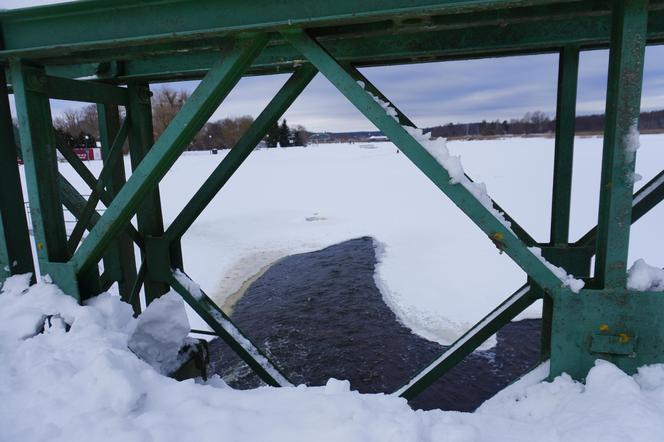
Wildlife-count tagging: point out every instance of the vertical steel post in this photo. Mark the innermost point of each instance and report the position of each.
(149, 216)
(15, 251)
(119, 261)
(623, 100)
(568, 72)
(41, 170)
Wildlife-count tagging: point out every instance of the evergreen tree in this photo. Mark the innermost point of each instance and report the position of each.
(272, 137)
(284, 134)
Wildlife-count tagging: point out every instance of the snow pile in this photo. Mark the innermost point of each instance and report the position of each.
(632, 139)
(161, 332)
(78, 381)
(611, 406)
(568, 280)
(643, 277)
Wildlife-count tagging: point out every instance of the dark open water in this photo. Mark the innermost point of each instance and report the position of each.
(319, 315)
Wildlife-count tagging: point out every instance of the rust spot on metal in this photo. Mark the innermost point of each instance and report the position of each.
(497, 240)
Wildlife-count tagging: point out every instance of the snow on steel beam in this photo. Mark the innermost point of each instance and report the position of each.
(435, 162)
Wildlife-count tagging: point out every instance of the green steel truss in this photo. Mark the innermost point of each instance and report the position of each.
(108, 52)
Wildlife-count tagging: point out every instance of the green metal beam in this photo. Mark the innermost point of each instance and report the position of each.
(245, 145)
(630, 18)
(75, 203)
(115, 154)
(650, 194)
(644, 200)
(195, 112)
(468, 342)
(149, 214)
(91, 181)
(568, 72)
(100, 24)
(134, 294)
(41, 170)
(503, 237)
(119, 261)
(499, 38)
(228, 331)
(86, 91)
(15, 250)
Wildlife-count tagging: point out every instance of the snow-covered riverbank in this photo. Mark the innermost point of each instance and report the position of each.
(438, 271)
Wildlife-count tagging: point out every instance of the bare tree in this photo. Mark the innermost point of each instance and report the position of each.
(166, 103)
(300, 136)
(79, 121)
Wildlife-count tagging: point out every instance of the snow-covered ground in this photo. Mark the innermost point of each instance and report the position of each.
(437, 270)
(68, 372)
(84, 384)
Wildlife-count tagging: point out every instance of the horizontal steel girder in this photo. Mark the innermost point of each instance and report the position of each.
(114, 22)
(532, 29)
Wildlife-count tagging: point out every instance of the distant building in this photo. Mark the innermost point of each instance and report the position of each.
(378, 138)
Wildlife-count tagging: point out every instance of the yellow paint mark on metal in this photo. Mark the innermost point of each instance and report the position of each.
(604, 328)
(497, 236)
(623, 338)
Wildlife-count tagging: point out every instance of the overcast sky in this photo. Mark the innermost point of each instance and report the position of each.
(437, 93)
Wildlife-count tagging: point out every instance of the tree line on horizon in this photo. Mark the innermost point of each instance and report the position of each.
(538, 123)
(80, 128)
